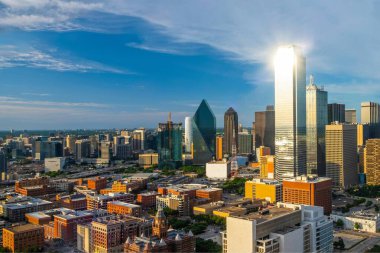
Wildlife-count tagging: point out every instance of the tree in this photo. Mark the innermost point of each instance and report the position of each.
(207, 246)
(339, 223)
(356, 226)
(339, 244)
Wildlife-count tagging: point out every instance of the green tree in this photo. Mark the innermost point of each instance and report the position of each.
(356, 226)
(207, 246)
(339, 223)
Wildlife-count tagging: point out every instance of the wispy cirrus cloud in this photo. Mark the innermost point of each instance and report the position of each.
(12, 101)
(12, 56)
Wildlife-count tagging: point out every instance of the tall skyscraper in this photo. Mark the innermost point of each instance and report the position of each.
(188, 134)
(138, 139)
(204, 134)
(3, 166)
(105, 151)
(336, 113)
(231, 130)
(350, 116)
(370, 114)
(290, 117)
(264, 128)
(316, 119)
(372, 161)
(169, 142)
(341, 155)
(82, 149)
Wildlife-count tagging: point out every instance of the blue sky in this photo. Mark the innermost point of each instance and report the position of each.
(125, 64)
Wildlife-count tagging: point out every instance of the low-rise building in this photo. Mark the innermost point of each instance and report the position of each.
(180, 203)
(148, 160)
(268, 189)
(119, 207)
(361, 220)
(23, 238)
(100, 201)
(65, 224)
(147, 199)
(15, 212)
(55, 164)
(218, 169)
(213, 194)
(97, 183)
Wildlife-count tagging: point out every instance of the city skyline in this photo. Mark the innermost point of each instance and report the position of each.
(81, 64)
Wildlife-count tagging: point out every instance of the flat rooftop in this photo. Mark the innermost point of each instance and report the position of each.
(73, 214)
(24, 228)
(148, 194)
(210, 189)
(308, 179)
(121, 203)
(26, 204)
(274, 213)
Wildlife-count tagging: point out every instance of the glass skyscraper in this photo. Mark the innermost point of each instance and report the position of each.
(316, 120)
(370, 114)
(290, 117)
(230, 140)
(169, 142)
(204, 134)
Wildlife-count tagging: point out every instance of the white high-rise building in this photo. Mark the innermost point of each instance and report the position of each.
(290, 117)
(284, 228)
(188, 134)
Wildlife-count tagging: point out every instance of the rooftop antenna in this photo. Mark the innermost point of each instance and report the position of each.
(311, 80)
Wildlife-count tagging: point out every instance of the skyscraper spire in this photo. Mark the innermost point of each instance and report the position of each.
(170, 117)
(311, 80)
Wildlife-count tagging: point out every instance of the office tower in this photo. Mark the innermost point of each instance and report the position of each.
(188, 134)
(219, 148)
(245, 143)
(268, 189)
(151, 141)
(3, 166)
(123, 152)
(363, 134)
(262, 151)
(370, 114)
(264, 128)
(138, 139)
(290, 108)
(372, 161)
(82, 149)
(117, 140)
(308, 190)
(341, 155)
(231, 128)
(336, 113)
(105, 151)
(46, 149)
(316, 119)
(70, 143)
(169, 141)
(350, 116)
(283, 228)
(204, 134)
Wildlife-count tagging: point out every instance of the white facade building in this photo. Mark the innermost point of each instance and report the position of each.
(218, 169)
(284, 228)
(188, 134)
(54, 164)
(366, 222)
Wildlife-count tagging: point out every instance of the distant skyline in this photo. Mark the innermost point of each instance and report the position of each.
(127, 64)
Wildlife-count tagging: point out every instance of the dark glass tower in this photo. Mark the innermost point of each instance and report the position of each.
(169, 142)
(204, 134)
(231, 145)
(264, 128)
(336, 112)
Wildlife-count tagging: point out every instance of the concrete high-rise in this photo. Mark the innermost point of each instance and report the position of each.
(316, 119)
(82, 149)
(264, 128)
(370, 114)
(245, 143)
(350, 116)
(188, 134)
(290, 108)
(341, 155)
(138, 139)
(231, 130)
(204, 134)
(336, 113)
(372, 161)
(3, 166)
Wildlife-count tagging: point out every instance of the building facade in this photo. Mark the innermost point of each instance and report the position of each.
(370, 114)
(336, 113)
(265, 128)
(290, 117)
(204, 134)
(316, 120)
(372, 161)
(231, 123)
(341, 155)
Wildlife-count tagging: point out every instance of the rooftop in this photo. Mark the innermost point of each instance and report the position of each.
(23, 228)
(120, 203)
(308, 179)
(274, 213)
(26, 204)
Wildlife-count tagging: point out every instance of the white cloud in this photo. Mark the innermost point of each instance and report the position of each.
(12, 101)
(11, 56)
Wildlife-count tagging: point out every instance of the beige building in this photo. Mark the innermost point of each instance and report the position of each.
(148, 160)
(372, 161)
(363, 133)
(84, 238)
(341, 155)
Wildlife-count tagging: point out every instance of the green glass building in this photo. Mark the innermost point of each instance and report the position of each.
(169, 142)
(204, 134)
